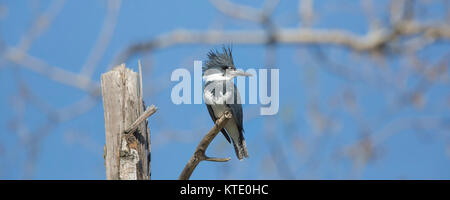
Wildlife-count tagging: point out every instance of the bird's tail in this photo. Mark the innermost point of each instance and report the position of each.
(240, 148)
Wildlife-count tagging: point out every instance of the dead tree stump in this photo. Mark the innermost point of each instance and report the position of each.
(127, 149)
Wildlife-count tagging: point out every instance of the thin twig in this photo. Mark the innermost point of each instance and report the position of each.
(238, 11)
(148, 112)
(199, 154)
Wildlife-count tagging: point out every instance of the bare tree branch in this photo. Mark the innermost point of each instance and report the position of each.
(371, 41)
(199, 154)
(41, 24)
(57, 74)
(238, 11)
(104, 38)
(147, 113)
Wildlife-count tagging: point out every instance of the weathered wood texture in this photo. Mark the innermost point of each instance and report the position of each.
(127, 155)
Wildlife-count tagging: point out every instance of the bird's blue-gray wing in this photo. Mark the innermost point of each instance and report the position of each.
(236, 109)
(213, 117)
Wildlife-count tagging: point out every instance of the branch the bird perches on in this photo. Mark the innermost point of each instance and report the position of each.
(199, 154)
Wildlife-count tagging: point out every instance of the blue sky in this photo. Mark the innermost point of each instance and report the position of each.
(73, 149)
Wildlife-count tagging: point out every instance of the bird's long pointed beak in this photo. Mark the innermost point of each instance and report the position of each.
(240, 73)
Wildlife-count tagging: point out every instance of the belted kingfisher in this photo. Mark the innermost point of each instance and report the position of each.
(221, 94)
